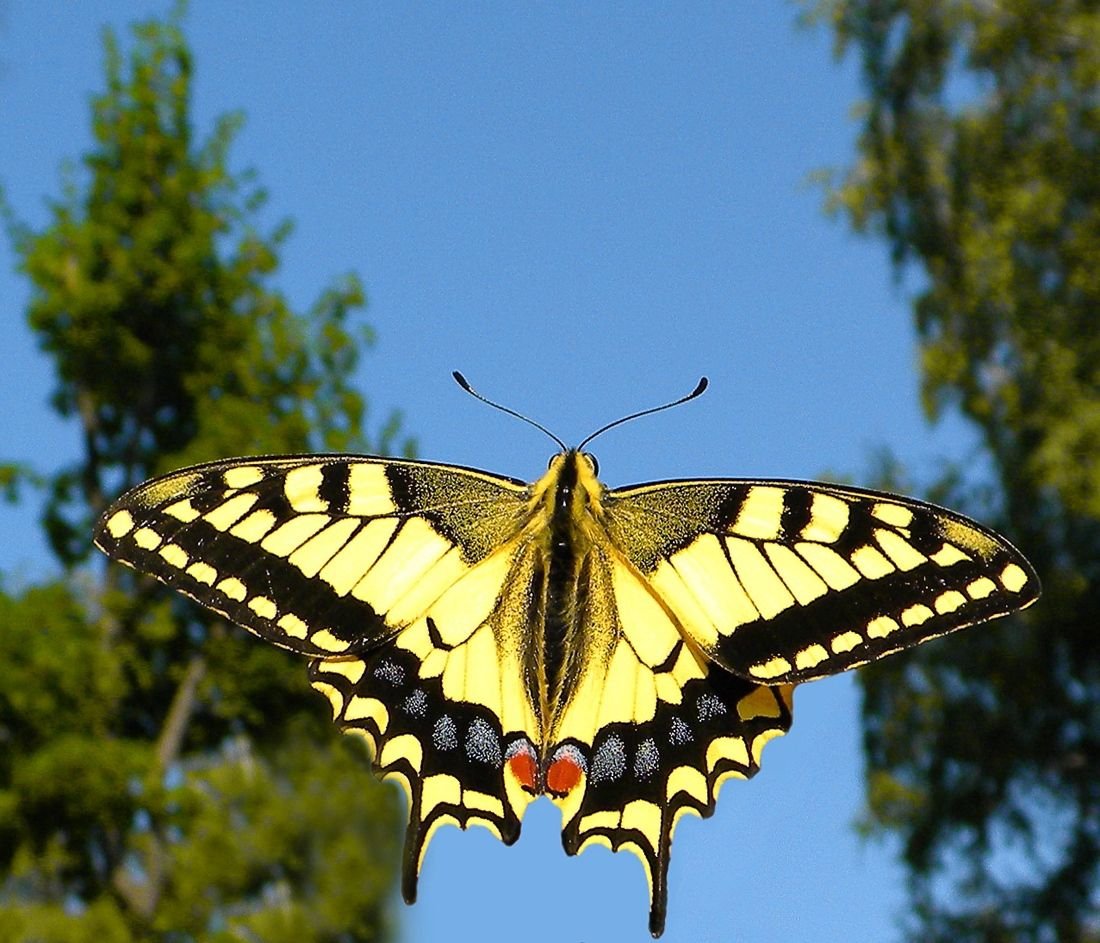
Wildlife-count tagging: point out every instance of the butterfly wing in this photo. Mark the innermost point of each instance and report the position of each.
(408, 583)
(655, 727)
(783, 581)
(708, 600)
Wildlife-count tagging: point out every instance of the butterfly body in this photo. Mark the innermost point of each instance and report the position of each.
(622, 651)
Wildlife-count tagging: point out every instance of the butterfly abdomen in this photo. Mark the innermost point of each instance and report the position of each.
(562, 570)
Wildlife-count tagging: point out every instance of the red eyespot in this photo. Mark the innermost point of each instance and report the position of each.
(566, 769)
(523, 763)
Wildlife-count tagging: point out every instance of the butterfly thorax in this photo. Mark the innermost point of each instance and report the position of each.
(567, 502)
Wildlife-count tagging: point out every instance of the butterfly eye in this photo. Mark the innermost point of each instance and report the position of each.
(593, 462)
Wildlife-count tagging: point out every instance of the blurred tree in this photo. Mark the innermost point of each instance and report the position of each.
(979, 162)
(162, 777)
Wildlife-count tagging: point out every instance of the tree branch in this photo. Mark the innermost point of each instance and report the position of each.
(143, 895)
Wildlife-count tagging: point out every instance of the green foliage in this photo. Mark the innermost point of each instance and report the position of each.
(979, 162)
(149, 293)
(163, 776)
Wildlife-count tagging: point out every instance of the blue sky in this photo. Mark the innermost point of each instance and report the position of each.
(584, 208)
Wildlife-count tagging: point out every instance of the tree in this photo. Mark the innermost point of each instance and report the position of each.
(979, 163)
(162, 777)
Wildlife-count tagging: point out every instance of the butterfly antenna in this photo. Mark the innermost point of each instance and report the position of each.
(698, 391)
(465, 384)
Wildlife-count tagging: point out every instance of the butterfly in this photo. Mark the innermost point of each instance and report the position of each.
(621, 651)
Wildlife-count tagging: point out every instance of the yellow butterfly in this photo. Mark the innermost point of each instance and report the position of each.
(622, 651)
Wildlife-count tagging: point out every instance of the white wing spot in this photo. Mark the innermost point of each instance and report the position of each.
(981, 587)
(293, 626)
(760, 513)
(182, 511)
(389, 671)
(302, 489)
(482, 743)
(1013, 578)
(175, 555)
(899, 550)
(708, 706)
(445, 733)
(202, 572)
(243, 476)
(263, 607)
(845, 642)
(947, 555)
(609, 760)
(679, 732)
(897, 515)
(647, 759)
(416, 703)
(949, 601)
(120, 524)
(871, 563)
(881, 626)
(147, 538)
(810, 657)
(233, 588)
(915, 615)
(770, 669)
(828, 519)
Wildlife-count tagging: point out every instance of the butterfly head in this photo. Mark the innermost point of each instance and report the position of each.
(570, 490)
(585, 457)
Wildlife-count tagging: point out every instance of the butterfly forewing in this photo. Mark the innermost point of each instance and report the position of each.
(782, 581)
(321, 555)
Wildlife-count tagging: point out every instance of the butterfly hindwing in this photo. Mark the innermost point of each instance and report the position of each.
(643, 777)
(447, 754)
(652, 724)
(783, 581)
